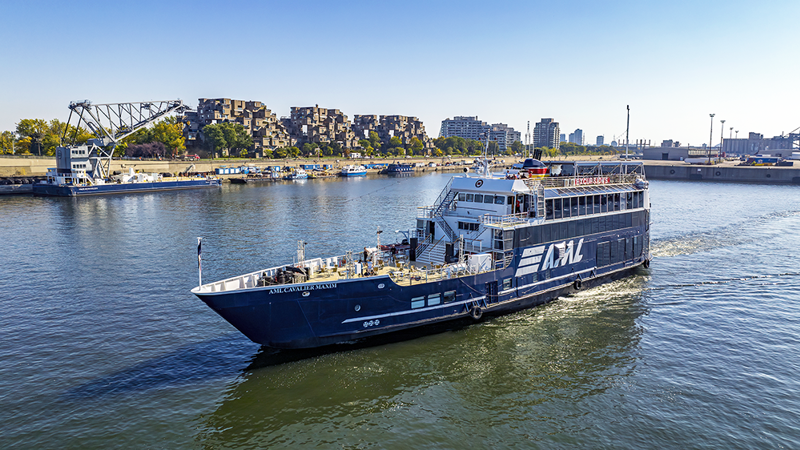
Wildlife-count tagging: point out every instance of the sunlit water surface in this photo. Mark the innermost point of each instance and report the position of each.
(103, 345)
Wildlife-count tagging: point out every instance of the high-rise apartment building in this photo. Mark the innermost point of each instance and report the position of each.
(576, 137)
(504, 135)
(546, 134)
(600, 140)
(467, 127)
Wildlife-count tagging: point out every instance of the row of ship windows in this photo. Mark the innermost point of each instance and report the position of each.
(79, 166)
(79, 152)
(559, 208)
(433, 299)
(572, 229)
(485, 198)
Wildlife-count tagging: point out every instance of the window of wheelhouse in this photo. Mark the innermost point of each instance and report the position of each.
(617, 203)
(582, 206)
(470, 197)
(500, 200)
(488, 199)
(557, 208)
(548, 209)
(478, 198)
(574, 202)
(597, 204)
(462, 197)
(603, 203)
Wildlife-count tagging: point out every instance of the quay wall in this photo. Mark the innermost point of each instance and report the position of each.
(723, 173)
(22, 166)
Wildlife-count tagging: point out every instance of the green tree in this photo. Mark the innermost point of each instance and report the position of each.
(169, 133)
(494, 148)
(416, 146)
(517, 147)
(281, 153)
(8, 142)
(36, 130)
(374, 140)
(310, 149)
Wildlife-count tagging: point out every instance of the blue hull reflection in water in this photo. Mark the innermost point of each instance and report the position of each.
(103, 344)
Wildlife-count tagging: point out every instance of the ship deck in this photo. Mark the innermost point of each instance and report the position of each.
(401, 272)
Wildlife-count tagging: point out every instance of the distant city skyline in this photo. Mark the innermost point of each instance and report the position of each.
(691, 59)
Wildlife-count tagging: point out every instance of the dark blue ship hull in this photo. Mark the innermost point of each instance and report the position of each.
(52, 190)
(318, 314)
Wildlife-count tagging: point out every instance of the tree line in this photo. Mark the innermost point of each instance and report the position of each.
(40, 137)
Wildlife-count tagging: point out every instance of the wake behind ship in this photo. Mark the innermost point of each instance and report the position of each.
(490, 244)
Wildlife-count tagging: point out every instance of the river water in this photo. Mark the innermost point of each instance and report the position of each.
(103, 345)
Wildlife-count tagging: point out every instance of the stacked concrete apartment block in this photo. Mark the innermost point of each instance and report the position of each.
(305, 125)
(316, 125)
(403, 127)
(261, 123)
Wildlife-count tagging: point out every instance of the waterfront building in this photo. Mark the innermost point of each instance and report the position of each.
(467, 127)
(546, 134)
(261, 123)
(600, 141)
(313, 124)
(563, 137)
(504, 135)
(404, 127)
(755, 143)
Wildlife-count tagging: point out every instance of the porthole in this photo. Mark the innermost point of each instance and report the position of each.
(358, 308)
(672, 172)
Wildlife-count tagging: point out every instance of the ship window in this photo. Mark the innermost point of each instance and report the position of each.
(617, 203)
(510, 200)
(557, 208)
(478, 198)
(499, 200)
(462, 196)
(574, 202)
(582, 206)
(434, 299)
(641, 199)
(549, 209)
(603, 203)
(449, 296)
(488, 199)
(629, 202)
(418, 302)
(507, 284)
(470, 197)
(597, 207)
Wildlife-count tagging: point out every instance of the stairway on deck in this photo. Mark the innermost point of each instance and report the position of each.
(434, 254)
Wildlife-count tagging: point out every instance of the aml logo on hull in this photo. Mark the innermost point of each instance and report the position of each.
(557, 255)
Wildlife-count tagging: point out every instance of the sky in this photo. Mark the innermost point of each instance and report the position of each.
(577, 61)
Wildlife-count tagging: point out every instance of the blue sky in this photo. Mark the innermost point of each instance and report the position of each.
(580, 62)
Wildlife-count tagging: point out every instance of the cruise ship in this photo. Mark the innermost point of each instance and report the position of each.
(491, 244)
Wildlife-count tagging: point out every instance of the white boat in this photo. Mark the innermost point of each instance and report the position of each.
(353, 171)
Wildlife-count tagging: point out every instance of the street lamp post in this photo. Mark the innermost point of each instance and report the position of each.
(721, 137)
(710, 137)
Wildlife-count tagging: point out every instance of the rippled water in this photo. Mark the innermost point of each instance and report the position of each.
(103, 345)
